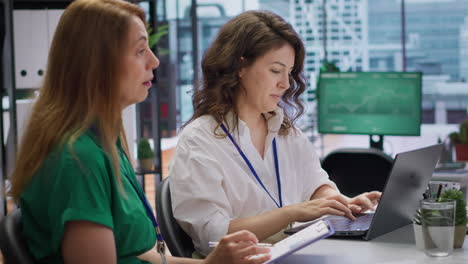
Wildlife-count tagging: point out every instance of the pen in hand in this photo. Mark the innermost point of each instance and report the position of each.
(212, 244)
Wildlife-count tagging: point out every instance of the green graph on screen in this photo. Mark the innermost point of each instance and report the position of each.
(370, 103)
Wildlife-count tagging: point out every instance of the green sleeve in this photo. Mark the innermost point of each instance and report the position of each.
(81, 191)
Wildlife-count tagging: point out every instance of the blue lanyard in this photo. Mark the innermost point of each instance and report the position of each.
(275, 155)
(146, 204)
(160, 245)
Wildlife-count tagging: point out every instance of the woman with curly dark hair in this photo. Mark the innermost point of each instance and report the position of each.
(240, 162)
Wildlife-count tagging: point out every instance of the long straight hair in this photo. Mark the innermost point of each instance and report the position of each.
(81, 86)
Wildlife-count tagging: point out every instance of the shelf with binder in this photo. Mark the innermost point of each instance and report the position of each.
(32, 35)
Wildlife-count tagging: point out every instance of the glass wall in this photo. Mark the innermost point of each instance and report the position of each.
(188, 32)
(356, 35)
(434, 46)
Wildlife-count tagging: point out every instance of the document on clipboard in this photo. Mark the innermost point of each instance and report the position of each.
(319, 230)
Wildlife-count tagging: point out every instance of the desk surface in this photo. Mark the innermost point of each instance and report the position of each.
(392, 248)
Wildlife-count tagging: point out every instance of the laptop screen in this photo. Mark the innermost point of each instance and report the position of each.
(408, 179)
(405, 185)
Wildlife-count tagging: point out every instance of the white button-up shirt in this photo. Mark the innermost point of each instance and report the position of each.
(211, 184)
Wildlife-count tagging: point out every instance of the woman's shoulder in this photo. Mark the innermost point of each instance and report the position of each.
(294, 133)
(200, 126)
(199, 132)
(83, 149)
(82, 157)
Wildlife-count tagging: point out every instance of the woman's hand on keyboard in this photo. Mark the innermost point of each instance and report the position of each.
(316, 208)
(365, 201)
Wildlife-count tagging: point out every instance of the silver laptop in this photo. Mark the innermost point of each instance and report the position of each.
(408, 179)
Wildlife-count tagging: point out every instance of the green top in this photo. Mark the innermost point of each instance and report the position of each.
(81, 185)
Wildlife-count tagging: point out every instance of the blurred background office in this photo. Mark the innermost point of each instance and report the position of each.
(428, 36)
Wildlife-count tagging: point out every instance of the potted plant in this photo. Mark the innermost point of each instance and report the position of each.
(145, 155)
(460, 140)
(460, 214)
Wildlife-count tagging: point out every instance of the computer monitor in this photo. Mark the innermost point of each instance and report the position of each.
(370, 103)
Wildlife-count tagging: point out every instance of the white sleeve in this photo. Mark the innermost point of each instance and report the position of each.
(311, 170)
(199, 201)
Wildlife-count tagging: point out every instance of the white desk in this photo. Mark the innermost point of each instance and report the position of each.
(392, 248)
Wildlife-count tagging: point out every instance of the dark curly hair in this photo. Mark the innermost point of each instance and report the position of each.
(249, 35)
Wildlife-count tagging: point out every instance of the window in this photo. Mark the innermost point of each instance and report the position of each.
(436, 43)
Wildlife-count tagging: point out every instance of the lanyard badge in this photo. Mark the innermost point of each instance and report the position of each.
(275, 156)
(160, 245)
(161, 248)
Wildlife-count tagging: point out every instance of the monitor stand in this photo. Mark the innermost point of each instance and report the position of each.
(378, 144)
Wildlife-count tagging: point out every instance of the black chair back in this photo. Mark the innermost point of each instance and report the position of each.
(178, 242)
(358, 170)
(12, 242)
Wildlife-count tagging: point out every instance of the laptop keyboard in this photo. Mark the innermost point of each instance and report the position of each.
(341, 223)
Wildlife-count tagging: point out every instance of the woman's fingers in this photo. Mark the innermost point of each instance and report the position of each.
(316, 208)
(348, 213)
(252, 249)
(236, 248)
(239, 236)
(366, 200)
(345, 202)
(331, 211)
(374, 197)
(340, 198)
(355, 208)
(336, 205)
(242, 245)
(257, 259)
(251, 253)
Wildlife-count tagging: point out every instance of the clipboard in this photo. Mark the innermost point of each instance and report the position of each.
(315, 232)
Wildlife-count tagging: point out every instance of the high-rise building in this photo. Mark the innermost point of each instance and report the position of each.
(366, 35)
(336, 32)
(333, 31)
(464, 51)
(432, 35)
(434, 46)
(280, 7)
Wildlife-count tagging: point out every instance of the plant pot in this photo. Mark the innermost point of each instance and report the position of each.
(461, 151)
(418, 239)
(459, 237)
(146, 164)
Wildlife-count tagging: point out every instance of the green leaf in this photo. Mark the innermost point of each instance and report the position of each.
(154, 38)
(460, 210)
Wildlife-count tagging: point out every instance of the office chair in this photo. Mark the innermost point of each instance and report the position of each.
(178, 242)
(358, 170)
(12, 242)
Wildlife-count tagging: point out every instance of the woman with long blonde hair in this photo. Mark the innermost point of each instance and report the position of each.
(76, 188)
